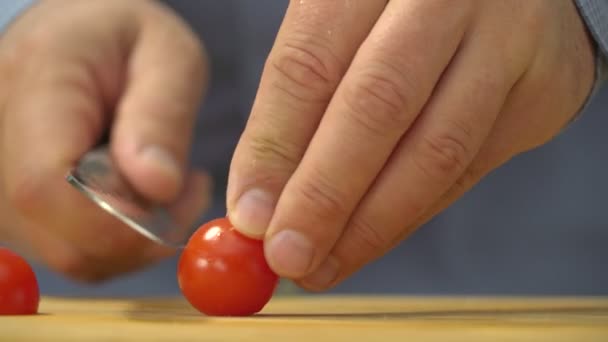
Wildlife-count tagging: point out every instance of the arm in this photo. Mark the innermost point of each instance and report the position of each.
(11, 9)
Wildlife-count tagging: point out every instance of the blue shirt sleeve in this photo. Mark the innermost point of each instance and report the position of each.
(595, 16)
(10, 9)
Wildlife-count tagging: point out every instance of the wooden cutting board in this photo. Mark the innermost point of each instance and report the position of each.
(319, 318)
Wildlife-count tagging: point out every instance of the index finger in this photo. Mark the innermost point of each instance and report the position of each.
(313, 49)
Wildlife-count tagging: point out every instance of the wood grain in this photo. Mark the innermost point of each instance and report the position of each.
(319, 318)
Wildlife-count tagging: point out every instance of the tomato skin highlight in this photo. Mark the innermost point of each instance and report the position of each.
(221, 272)
(19, 290)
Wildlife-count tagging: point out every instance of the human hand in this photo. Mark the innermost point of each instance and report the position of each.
(373, 116)
(71, 70)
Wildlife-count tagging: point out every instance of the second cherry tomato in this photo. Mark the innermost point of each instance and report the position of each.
(19, 292)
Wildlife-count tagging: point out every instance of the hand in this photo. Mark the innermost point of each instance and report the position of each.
(70, 70)
(373, 116)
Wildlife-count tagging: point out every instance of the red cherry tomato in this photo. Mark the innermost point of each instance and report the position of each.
(19, 292)
(224, 273)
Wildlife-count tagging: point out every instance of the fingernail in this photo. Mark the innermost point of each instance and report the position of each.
(325, 275)
(253, 212)
(160, 159)
(290, 253)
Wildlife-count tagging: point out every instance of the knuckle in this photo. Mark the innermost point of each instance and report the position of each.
(306, 68)
(318, 193)
(461, 184)
(444, 154)
(267, 150)
(379, 100)
(465, 181)
(366, 236)
(471, 176)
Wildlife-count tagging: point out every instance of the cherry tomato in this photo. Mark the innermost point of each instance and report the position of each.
(224, 273)
(19, 292)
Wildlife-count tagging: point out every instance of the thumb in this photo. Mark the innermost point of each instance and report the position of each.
(152, 130)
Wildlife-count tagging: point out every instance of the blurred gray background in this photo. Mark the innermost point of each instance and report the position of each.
(538, 225)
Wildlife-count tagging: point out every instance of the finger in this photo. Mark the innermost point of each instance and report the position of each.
(314, 46)
(155, 118)
(334, 270)
(384, 90)
(497, 150)
(428, 161)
